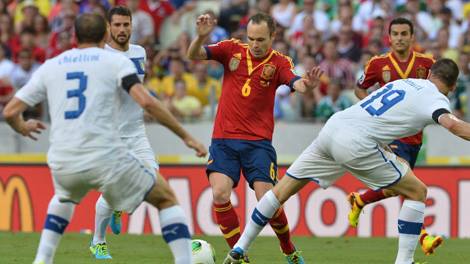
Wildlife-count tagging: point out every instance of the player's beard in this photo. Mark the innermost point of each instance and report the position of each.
(120, 42)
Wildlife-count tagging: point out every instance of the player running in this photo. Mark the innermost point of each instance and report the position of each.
(83, 87)
(243, 128)
(131, 124)
(401, 63)
(352, 141)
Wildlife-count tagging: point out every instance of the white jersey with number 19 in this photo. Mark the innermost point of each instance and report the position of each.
(352, 139)
(399, 109)
(82, 87)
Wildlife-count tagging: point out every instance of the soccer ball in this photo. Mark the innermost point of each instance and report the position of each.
(203, 252)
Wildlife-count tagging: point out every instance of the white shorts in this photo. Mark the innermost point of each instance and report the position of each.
(124, 182)
(326, 160)
(140, 146)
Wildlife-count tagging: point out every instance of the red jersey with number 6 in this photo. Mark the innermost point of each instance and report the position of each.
(246, 104)
(386, 68)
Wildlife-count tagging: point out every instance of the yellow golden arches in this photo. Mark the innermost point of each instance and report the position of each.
(15, 184)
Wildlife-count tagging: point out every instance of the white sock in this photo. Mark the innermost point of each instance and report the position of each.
(410, 222)
(103, 213)
(176, 233)
(58, 217)
(263, 212)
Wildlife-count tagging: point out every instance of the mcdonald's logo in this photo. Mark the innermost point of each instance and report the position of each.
(15, 185)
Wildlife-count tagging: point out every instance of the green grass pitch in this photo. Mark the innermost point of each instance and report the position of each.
(146, 249)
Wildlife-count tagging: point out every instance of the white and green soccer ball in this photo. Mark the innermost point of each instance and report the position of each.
(203, 252)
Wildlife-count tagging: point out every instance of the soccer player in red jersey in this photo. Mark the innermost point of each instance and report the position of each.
(402, 62)
(241, 140)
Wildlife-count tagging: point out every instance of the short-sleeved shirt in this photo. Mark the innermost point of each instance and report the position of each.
(386, 68)
(400, 108)
(83, 89)
(131, 115)
(246, 104)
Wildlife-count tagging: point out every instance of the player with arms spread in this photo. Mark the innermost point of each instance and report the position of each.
(131, 124)
(243, 129)
(84, 87)
(352, 140)
(400, 63)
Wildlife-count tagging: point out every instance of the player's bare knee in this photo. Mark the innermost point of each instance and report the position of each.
(261, 188)
(417, 192)
(221, 194)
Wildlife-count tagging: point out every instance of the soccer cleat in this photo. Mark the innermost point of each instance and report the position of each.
(429, 243)
(40, 262)
(245, 259)
(235, 256)
(295, 258)
(115, 222)
(100, 251)
(356, 208)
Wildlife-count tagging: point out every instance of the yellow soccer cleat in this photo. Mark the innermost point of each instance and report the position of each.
(429, 243)
(356, 208)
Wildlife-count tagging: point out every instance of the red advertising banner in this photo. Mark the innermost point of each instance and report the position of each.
(25, 192)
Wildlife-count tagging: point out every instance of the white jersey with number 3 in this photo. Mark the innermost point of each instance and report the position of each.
(399, 109)
(131, 115)
(82, 87)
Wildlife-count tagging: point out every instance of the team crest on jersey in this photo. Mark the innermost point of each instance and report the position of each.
(234, 63)
(421, 72)
(386, 75)
(268, 71)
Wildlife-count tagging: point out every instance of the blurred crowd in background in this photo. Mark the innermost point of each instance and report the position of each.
(338, 35)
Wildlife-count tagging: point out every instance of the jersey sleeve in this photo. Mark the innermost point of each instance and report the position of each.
(369, 77)
(286, 72)
(435, 107)
(220, 51)
(34, 91)
(125, 68)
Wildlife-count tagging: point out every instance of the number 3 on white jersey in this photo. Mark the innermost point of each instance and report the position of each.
(82, 85)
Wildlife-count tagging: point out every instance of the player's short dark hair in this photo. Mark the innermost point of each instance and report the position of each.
(90, 28)
(401, 21)
(119, 10)
(262, 17)
(446, 70)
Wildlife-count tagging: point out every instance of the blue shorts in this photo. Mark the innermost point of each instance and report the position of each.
(255, 158)
(408, 152)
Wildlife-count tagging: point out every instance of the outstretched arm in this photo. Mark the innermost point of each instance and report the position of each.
(204, 26)
(456, 126)
(310, 81)
(156, 109)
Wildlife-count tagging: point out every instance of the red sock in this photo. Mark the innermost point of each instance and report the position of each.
(371, 196)
(281, 228)
(227, 219)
